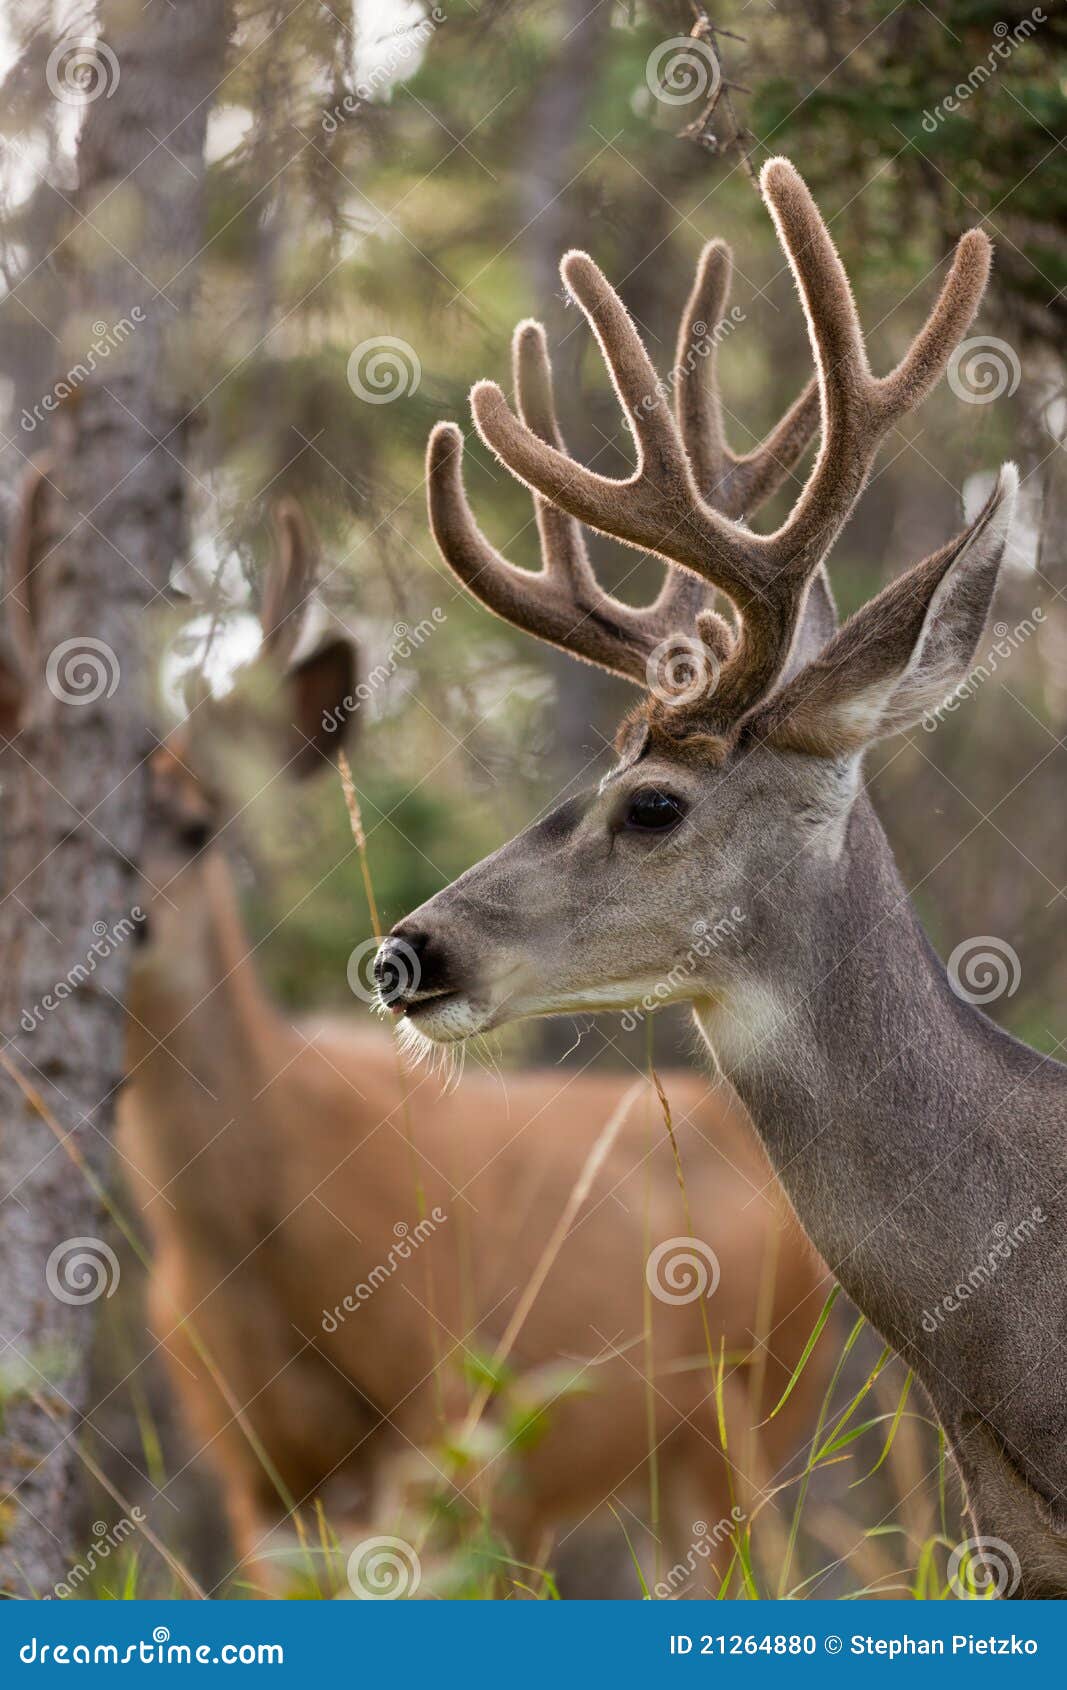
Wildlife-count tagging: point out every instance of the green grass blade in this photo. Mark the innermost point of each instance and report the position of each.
(720, 1594)
(839, 1441)
(806, 1352)
(898, 1416)
(846, 1350)
(645, 1592)
(744, 1556)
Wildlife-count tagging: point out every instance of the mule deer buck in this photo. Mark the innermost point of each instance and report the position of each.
(908, 1130)
(273, 1164)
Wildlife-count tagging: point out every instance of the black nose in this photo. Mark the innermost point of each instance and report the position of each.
(409, 966)
(397, 970)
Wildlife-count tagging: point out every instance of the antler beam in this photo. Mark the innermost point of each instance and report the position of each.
(563, 603)
(660, 508)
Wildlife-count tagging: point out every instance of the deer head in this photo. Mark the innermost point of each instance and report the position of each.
(714, 848)
(296, 709)
(292, 711)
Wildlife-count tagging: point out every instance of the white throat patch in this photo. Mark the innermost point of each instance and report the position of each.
(747, 1028)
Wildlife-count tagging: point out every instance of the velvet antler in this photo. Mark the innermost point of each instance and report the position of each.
(685, 469)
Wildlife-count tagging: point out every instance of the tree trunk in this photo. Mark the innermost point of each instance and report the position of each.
(74, 807)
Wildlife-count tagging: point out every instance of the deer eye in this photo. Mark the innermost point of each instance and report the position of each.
(652, 811)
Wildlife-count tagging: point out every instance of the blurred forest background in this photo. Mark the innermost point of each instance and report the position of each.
(416, 176)
(388, 189)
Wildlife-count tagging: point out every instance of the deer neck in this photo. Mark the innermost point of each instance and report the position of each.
(891, 1109)
(203, 1036)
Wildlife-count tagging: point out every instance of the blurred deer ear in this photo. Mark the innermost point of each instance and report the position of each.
(323, 705)
(900, 656)
(289, 581)
(320, 688)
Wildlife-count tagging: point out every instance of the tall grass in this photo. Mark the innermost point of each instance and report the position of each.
(871, 1457)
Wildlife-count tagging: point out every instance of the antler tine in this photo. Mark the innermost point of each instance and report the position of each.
(562, 602)
(658, 508)
(563, 548)
(857, 407)
(735, 485)
(289, 581)
(682, 596)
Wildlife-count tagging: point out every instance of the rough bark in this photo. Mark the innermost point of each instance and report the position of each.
(73, 806)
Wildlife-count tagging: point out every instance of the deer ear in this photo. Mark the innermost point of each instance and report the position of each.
(817, 626)
(901, 655)
(289, 580)
(322, 698)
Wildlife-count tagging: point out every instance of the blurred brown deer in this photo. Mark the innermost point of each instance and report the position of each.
(333, 1241)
